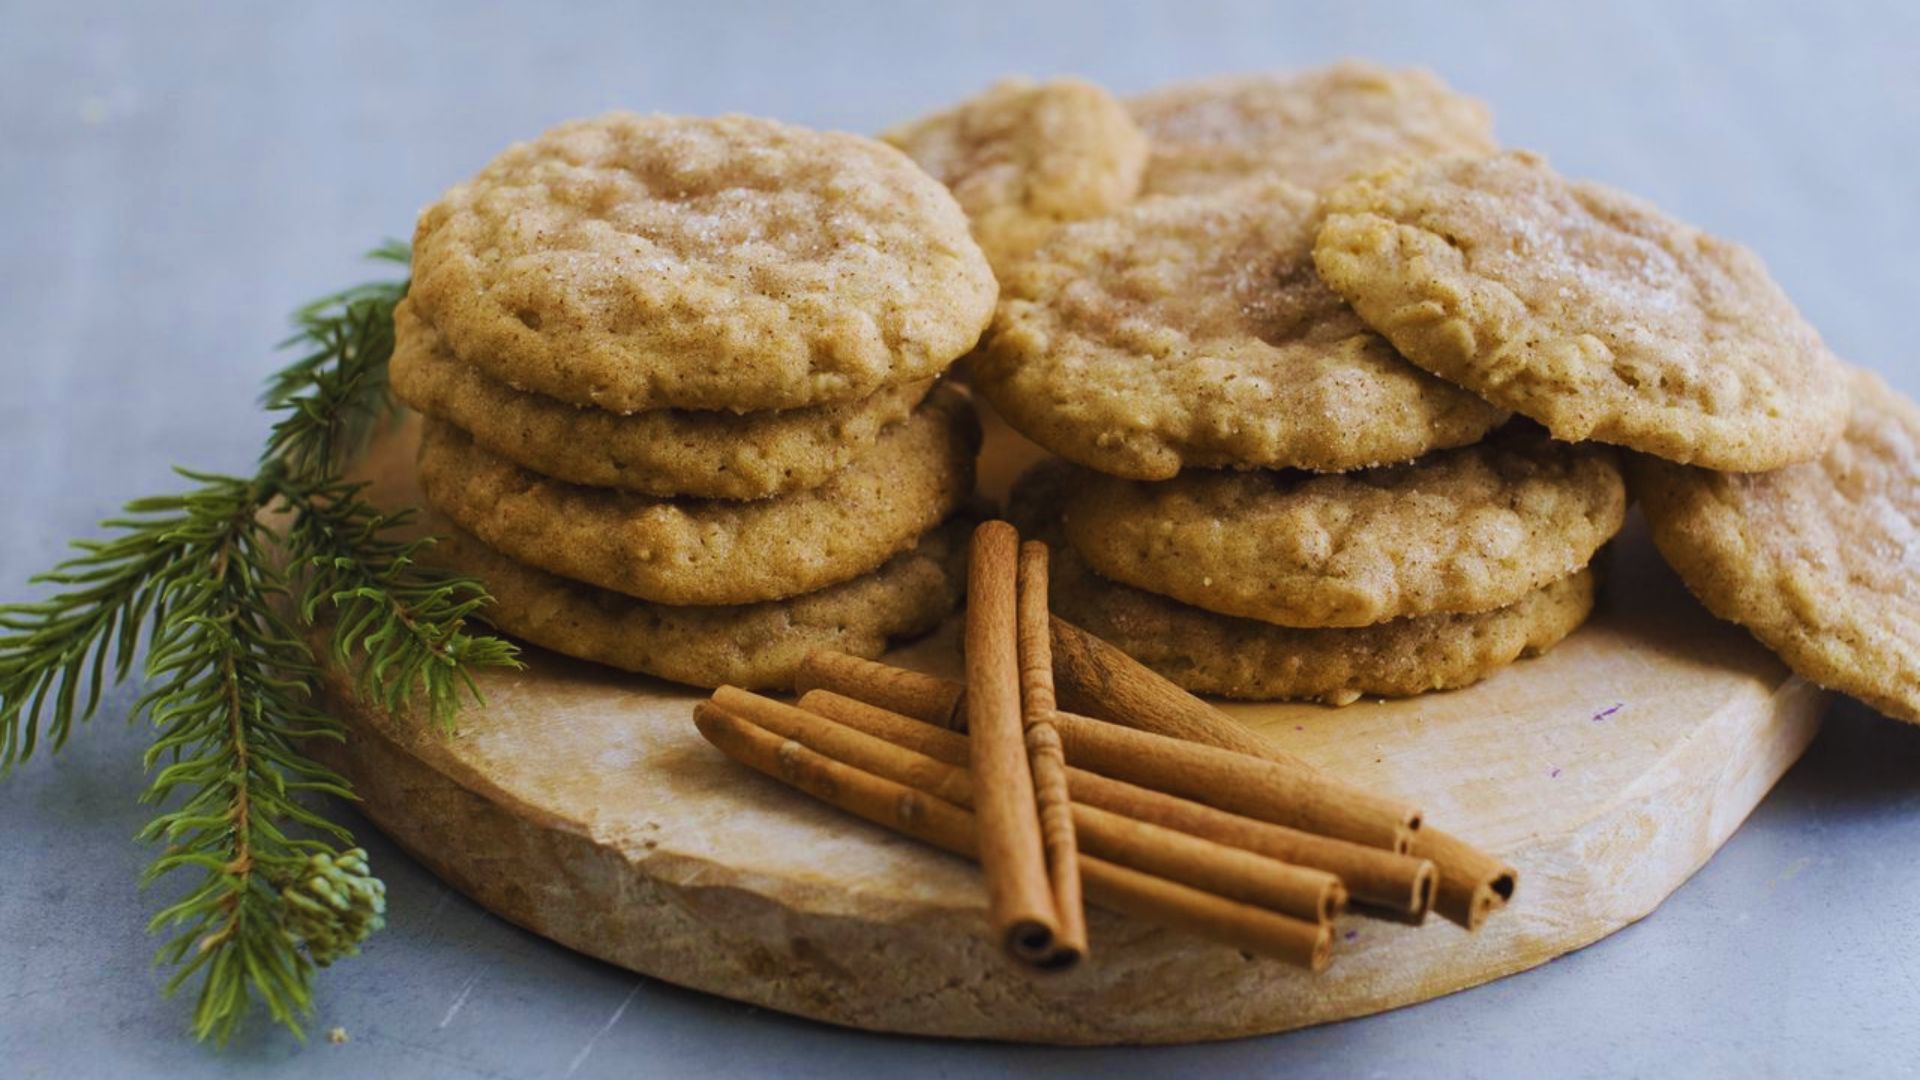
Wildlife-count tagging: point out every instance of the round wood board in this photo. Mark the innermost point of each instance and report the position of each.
(582, 805)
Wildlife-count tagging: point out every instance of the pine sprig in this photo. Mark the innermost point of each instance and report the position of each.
(227, 581)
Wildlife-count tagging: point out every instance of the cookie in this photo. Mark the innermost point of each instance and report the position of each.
(697, 551)
(646, 262)
(1023, 157)
(715, 455)
(1194, 331)
(1818, 560)
(1585, 309)
(752, 645)
(1458, 531)
(1310, 128)
(1244, 658)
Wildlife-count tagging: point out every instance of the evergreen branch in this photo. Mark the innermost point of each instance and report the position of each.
(228, 605)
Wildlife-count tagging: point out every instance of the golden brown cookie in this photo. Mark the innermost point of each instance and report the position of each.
(1585, 309)
(753, 645)
(699, 551)
(715, 455)
(1457, 531)
(1822, 560)
(645, 262)
(1194, 331)
(1311, 128)
(1022, 157)
(1253, 660)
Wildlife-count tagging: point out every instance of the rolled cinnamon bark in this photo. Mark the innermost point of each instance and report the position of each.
(1044, 755)
(883, 802)
(1012, 857)
(1303, 893)
(848, 744)
(1393, 884)
(1095, 678)
(909, 693)
(1169, 903)
(900, 730)
(914, 813)
(1243, 784)
(1473, 884)
(1089, 671)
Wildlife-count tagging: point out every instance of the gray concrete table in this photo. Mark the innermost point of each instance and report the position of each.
(173, 180)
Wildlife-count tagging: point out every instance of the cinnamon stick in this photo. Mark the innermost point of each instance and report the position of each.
(883, 802)
(1295, 794)
(1044, 755)
(1168, 903)
(1238, 875)
(1097, 679)
(914, 813)
(848, 744)
(1473, 884)
(1254, 787)
(900, 730)
(1314, 895)
(1020, 898)
(909, 693)
(1396, 884)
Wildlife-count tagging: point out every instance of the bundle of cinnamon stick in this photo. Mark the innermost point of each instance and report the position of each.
(1068, 769)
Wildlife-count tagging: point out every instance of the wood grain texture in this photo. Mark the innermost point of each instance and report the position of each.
(583, 805)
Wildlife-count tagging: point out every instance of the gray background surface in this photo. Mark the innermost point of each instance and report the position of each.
(174, 179)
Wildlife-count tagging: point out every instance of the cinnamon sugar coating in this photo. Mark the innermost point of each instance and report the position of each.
(1584, 308)
(1194, 331)
(638, 262)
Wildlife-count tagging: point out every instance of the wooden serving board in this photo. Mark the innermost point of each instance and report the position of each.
(582, 805)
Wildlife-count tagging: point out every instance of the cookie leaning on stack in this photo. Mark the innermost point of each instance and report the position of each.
(679, 377)
(1783, 487)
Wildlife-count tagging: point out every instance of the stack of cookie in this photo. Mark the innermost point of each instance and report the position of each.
(1285, 383)
(681, 386)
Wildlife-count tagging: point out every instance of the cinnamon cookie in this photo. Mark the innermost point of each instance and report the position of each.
(646, 262)
(1023, 157)
(1585, 309)
(1822, 560)
(1194, 331)
(692, 551)
(1310, 128)
(1458, 531)
(752, 645)
(717, 455)
(1252, 660)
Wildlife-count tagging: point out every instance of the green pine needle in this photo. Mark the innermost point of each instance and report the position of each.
(226, 603)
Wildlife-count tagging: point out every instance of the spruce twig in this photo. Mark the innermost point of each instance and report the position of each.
(227, 604)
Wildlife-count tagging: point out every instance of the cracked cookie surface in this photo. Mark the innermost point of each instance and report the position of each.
(1194, 331)
(1584, 308)
(1820, 561)
(1458, 531)
(636, 262)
